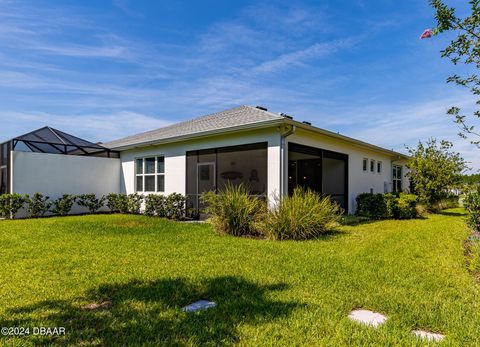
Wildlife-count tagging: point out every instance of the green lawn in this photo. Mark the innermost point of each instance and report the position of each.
(121, 280)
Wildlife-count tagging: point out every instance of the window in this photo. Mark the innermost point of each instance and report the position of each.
(379, 167)
(150, 174)
(397, 178)
(365, 164)
(372, 165)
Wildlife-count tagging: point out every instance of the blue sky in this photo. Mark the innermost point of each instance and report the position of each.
(106, 69)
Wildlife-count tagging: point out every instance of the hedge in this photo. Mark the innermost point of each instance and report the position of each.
(383, 206)
(171, 206)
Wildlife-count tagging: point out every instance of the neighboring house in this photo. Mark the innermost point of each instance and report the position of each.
(270, 153)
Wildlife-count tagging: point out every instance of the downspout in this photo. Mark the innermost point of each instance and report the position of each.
(10, 152)
(284, 133)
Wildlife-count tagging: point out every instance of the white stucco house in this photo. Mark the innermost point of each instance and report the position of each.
(271, 153)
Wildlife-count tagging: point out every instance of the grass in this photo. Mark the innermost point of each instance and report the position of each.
(121, 280)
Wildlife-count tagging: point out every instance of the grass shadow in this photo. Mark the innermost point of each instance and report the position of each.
(451, 213)
(352, 220)
(329, 235)
(149, 313)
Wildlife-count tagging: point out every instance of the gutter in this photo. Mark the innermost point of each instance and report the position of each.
(332, 134)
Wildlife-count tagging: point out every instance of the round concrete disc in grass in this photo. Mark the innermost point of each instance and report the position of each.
(367, 317)
(426, 335)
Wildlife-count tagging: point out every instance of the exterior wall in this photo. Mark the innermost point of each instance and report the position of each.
(56, 174)
(175, 158)
(359, 181)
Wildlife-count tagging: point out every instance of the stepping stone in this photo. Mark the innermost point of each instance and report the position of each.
(199, 305)
(428, 335)
(367, 317)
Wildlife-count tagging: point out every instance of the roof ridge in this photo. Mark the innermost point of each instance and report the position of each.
(267, 111)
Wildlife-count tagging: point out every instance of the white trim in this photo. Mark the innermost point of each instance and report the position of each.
(11, 172)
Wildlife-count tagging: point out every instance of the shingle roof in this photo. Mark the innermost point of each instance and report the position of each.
(235, 117)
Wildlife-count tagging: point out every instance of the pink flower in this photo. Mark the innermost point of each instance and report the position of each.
(428, 33)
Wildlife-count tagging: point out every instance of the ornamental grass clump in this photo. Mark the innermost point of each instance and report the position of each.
(234, 211)
(300, 216)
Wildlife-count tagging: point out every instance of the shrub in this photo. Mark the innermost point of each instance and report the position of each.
(421, 209)
(406, 206)
(391, 205)
(300, 216)
(233, 210)
(122, 203)
(112, 202)
(160, 206)
(446, 201)
(37, 205)
(91, 202)
(471, 203)
(175, 205)
(62, 206)
(134, 203)
(10, 204)
(150, 204)
(117, 202)
(155, 205)
(372, 206)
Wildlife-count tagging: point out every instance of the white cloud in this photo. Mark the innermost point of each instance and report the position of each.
(84, 50)
(315, 51)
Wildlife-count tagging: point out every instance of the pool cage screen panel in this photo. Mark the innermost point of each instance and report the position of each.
(49, 140)
(5, 168)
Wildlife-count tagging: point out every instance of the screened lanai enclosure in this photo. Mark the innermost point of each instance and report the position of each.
(322, 171)
(48, 141)
(212, 169)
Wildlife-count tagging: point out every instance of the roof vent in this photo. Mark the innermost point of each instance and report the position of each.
(262, 108)
(286, 115)
(307, 123)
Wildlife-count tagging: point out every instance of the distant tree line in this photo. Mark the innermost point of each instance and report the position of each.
(473, 179)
